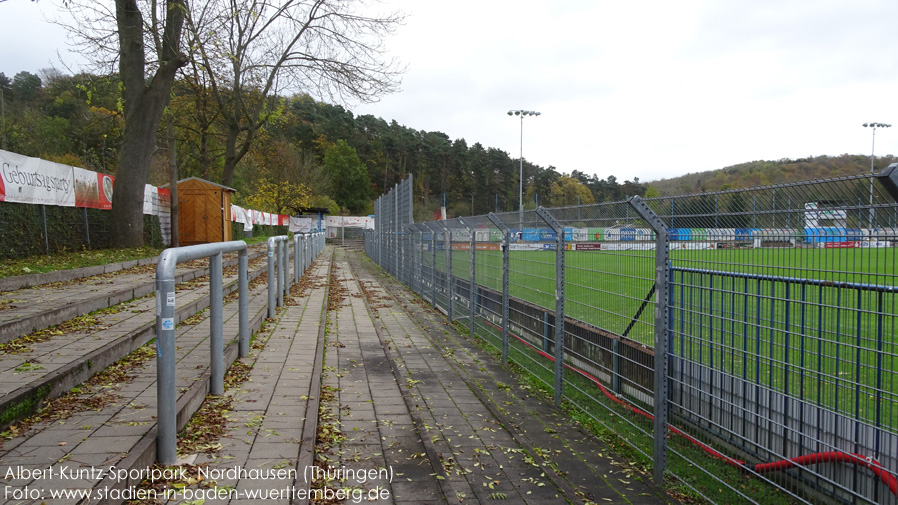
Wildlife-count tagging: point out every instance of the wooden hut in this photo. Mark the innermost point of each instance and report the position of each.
(204, 212)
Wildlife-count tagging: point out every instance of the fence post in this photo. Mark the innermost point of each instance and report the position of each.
(397, 249)
(506, 246)
(450, 292)
(46, 233)
(433, 269)
(243, 293)
(419, 259)
(662, 336)
(472, 289)
(559, 300)
(86, 227)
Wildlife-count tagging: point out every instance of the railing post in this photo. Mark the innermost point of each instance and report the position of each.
(296, 256)
(279, 271)
(216, 323)
(166, 396)
(243, 293)
(167, 429)
(272, 300)
(559, 301)
(662, 335)
(506, 246)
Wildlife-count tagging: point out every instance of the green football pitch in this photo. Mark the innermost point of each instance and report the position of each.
(816, 323)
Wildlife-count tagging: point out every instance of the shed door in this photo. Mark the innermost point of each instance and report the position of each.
(200, 217)
(212, 217)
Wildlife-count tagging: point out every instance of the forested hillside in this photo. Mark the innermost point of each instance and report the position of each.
(311, 153)
(307, 154)
(762, 173)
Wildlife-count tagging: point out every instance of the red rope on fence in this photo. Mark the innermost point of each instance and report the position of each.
(809, 459)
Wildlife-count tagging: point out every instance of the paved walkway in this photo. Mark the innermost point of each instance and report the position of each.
(486, 436)
(354, 392)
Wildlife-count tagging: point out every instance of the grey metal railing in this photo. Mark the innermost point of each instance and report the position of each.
(166, 450)
(306, 248)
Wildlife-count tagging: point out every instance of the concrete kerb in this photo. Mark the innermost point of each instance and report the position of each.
(310, 425)
(30, 396)
(31, 280)
(13, 329)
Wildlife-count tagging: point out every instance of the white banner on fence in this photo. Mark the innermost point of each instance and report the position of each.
(35, 181)
(300, 224)
(349, 222)
(242, 216)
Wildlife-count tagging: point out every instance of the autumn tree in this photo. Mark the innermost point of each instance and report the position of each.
(566, 191)
(252, 50)
(350, 185)
(144, 38)
(282, 197)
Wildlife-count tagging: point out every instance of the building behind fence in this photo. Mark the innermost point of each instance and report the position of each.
(744, 342)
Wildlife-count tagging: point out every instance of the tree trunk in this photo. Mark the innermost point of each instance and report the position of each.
(143, 104)
(138, 146)
(235, 150)
(173, 184)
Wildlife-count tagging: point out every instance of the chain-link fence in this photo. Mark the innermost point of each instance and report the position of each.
(743, 342)
(29, 230)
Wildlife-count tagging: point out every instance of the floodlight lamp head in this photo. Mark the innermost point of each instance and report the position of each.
(865, 124)
(511, 113)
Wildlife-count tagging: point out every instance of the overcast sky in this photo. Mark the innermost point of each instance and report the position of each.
(647, 89)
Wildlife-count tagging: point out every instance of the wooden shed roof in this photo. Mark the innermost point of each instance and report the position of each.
(232, 190)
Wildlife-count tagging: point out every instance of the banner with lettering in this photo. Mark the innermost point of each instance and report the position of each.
(36, 181)
(300, 225)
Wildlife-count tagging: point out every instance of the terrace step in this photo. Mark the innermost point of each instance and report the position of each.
(31, 378)
(27, 310)
(122, 431)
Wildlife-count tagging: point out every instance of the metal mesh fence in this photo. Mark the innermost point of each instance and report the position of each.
(742, 342)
